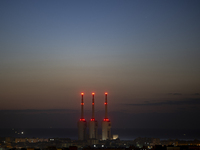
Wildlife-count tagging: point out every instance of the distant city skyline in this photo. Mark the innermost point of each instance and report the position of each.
(145, 54)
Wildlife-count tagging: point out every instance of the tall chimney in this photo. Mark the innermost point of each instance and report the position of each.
(106, 124)
(82, 124)
(82, 104)
(106, 111)
(92, 105)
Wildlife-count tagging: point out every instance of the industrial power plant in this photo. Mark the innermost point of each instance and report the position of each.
(93, 124)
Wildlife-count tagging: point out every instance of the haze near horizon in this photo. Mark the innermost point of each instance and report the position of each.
(145, 54)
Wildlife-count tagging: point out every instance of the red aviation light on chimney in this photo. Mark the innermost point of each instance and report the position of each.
(106, 93)
(93, 93)
(106, 119)
(82, 93)
(82, 119)
(92, 119)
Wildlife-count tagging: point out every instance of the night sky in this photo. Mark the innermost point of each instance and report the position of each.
(145, 54)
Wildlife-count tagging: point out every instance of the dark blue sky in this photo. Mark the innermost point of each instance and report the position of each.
(145, 54)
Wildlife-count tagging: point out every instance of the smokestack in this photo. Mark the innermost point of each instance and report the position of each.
(106, 124)
(82, 124)
(82, 104)
(92, 105)
(106, 111)
(93, 125)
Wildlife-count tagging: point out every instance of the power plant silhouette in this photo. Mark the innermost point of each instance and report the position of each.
(93, 124)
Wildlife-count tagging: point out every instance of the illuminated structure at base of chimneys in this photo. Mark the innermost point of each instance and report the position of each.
(93, 124)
